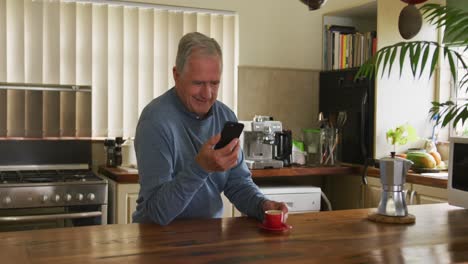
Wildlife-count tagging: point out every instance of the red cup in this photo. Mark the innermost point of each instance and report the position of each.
(273, 218)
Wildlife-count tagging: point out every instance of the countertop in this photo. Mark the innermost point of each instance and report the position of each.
(416, 178)
(440, 235)
(122, 175)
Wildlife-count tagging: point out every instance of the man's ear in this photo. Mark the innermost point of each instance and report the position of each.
(175, 74)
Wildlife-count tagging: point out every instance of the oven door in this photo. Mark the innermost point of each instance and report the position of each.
(52, 217)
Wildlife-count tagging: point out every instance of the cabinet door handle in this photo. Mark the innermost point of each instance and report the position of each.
(413, 193)
(340, 81)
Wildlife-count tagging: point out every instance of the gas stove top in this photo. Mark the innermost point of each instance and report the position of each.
(47, 176)
(32, 186)
(48, 173)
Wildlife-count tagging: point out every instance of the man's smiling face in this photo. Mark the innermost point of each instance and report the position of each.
(197, 85)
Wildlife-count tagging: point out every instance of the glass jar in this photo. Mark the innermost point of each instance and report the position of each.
(312, 146)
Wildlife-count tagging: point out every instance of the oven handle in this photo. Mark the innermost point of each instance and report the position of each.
(49, 217)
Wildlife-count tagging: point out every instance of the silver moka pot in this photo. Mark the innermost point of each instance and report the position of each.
(393, 177)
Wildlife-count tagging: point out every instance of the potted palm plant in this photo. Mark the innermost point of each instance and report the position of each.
(425, 55)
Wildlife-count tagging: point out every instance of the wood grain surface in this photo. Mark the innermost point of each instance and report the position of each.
(440, 235)
(123, 176)
(416, 178)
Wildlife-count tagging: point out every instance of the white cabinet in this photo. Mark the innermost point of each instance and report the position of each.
(346, 192)
(415, 194)
(372, 193)
(427, 195)
(127, 194)
(122, 201)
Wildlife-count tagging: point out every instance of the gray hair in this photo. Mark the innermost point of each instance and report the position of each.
(196, 41)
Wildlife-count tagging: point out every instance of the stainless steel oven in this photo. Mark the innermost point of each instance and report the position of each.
(49, 191)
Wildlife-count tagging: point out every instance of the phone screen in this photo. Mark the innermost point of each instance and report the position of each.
(231, 130)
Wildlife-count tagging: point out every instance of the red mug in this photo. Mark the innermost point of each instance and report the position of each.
(273, 218)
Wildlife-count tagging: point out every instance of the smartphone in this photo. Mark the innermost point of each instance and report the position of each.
(231, 130)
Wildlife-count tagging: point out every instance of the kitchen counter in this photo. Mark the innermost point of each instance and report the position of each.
(417, 178)
(122, 175)
(439, 235)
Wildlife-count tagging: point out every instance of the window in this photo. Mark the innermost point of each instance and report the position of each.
(124, 50)
(460, 95)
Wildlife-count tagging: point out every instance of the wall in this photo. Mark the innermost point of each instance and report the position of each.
(402, 99)
(280, 54)
(285, 34)
(289, 95)
(275, 33)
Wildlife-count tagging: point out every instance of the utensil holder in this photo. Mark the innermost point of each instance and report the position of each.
(329, 145)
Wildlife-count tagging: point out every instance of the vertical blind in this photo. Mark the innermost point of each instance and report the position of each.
(124, 52)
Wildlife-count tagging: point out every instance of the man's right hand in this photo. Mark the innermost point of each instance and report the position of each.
(222, 159)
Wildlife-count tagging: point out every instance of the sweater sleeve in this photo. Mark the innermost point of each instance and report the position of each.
(243, 192)
(164, 194)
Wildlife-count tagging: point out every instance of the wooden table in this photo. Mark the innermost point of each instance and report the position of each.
(440, 235)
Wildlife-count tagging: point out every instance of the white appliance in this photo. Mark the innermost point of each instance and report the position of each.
(300, 199)
(458, 172)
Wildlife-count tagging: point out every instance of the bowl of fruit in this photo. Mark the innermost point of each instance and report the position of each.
(426, 161)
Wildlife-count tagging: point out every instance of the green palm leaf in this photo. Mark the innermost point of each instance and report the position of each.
(418, 53)
(435, 57)
(424, 58)
(403, 51)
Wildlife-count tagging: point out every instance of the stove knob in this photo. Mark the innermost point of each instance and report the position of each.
(7, 200)
(91, 196)
(45, 198)
(56, 198)
(68, 197)
(79, 197)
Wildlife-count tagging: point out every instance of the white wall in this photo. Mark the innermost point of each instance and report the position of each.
(284, 33)
(276, 33)
(401, 99)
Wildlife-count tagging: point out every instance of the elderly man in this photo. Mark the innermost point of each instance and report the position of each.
(181, 174)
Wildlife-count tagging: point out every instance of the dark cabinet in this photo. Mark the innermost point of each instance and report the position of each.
(340, 91)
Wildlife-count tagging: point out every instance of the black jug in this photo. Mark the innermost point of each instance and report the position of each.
(283, 147)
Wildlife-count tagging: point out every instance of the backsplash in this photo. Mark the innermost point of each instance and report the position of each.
(289, 95)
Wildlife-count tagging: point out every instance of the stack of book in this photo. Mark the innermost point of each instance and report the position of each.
(344, 47)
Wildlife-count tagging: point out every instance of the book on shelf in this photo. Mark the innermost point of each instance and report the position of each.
(345, 47)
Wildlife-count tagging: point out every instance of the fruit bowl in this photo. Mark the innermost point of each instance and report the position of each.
(425, 170)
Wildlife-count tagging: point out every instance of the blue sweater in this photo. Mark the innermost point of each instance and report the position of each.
(172, 184)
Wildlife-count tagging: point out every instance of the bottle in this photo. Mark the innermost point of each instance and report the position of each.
(110, 152)
(118, 156)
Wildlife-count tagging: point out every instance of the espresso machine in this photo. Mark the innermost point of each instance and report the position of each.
(265, 144)
(393, 177)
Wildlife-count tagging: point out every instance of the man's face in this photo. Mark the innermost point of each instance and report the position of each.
(197, 84)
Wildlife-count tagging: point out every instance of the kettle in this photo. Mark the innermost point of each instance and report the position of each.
(393, 177)
(283, 147)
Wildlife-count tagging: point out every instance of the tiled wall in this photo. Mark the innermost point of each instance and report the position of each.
(289, 95)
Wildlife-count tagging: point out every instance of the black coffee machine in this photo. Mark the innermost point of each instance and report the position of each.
(283, 147)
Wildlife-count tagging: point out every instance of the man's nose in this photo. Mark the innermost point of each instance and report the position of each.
(206, 90)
